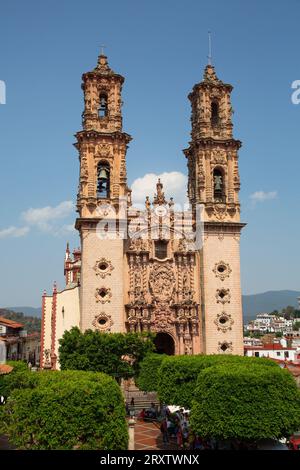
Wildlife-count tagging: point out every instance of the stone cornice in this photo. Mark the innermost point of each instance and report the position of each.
(209, 142)
(96, 135)
(226, 227)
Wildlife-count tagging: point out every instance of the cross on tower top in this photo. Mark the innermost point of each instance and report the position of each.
(209, 49)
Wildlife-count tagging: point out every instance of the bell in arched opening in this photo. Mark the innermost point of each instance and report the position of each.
(215, 119)
(219, 186)
(103, 110)
(103, 180)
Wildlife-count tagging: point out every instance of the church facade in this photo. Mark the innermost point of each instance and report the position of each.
(155, 268)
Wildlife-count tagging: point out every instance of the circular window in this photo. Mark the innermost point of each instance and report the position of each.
(223, 320)
(103, 266)
(221, 268)
(102, 321)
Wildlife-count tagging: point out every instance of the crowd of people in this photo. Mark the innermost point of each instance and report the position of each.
(175, 425)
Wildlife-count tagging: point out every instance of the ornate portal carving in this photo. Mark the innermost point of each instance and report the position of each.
(162, 282)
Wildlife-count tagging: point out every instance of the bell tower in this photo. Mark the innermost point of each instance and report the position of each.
(102, 147)
(214, 183)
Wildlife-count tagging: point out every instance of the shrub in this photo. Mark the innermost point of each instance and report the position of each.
(116, 354)
(147, 379)
(20, 377)
(250, 402)
(178, 374)
(68, 410)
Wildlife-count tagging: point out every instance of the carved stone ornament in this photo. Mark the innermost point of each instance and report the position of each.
(103, 267)
(224, 322)
(103, 295)
(103, 322)
(47, 363)
(225, 347)
(104, 150)
(219, 156)
(223, 296)
(222, 270)
(220, 211)
(162, 320)
(162, 282)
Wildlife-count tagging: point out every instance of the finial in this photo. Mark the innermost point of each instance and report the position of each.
(209, 49)
(102, 49)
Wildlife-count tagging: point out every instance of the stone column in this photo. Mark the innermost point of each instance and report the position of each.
(131, 424)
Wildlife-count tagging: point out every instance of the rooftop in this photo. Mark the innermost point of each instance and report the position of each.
(10, 323)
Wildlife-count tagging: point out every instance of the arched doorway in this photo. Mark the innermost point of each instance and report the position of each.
(164, 344)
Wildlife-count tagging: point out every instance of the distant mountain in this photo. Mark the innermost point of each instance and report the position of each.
(28, 311)
(267, 302)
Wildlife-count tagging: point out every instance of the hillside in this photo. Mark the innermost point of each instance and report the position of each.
(31, 324)
(266, 302)
(28, 311)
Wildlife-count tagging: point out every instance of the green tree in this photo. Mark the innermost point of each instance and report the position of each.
(148, 377)
(250, 402)
(116, 354)
(67, 410)
(178, 374)
(19, 378)
(296, 326)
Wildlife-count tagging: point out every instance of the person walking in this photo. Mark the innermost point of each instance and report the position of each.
(164, 430)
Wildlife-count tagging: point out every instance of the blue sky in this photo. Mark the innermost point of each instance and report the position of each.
(161, 49)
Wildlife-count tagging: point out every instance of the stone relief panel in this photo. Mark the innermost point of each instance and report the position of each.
(162, 282)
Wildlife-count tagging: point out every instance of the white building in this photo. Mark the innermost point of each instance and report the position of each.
(273, 351)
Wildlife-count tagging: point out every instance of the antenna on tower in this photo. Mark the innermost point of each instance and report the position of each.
(209, 48)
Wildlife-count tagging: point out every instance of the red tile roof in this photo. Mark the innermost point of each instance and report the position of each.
(10, 323)
(5, 369)
(270, 347)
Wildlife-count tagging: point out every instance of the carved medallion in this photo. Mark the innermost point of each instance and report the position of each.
(103, 267)
(223, 296)
(222, 270)
(103, 322)
(103, 295)
(224, 322)
(225, 347)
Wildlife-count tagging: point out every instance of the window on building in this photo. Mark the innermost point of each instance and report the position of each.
(103, 106)
(103, 180)
(219, 186)
(161, 249)
(286, 354)
(256, 354)
(215, 114)
(278, 353)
